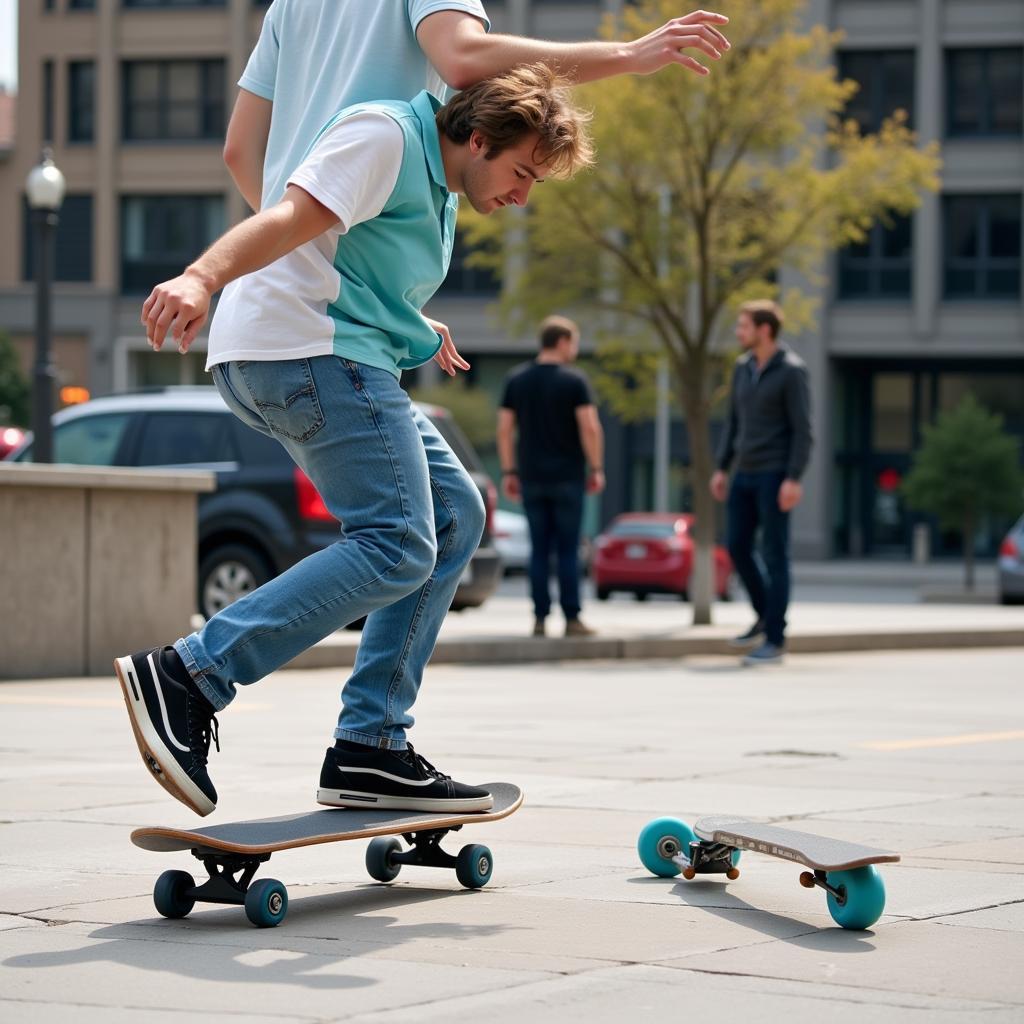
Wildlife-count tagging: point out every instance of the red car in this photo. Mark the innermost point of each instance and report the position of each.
(652, 553)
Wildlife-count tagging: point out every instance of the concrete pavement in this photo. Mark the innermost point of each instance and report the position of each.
(919, 752)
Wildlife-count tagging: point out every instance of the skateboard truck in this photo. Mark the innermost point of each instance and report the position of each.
(707, 858)
(425, 849)
(810, 879)
(230, 876)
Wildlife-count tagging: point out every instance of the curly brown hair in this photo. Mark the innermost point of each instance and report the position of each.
(507, 107)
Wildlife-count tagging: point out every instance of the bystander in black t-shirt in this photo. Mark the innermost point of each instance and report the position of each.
(545, 397)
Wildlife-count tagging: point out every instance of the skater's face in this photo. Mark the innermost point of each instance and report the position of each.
(504, 181)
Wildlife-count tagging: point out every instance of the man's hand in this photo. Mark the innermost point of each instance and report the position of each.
(665, 45)
(719, 485)
(511, 487)
(180, 305)
(447, 357)
(595, 481)
(790, 494)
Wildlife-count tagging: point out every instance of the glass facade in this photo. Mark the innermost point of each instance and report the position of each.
(886, 81)
(173, 100)
(982, 248)
(880, 413)
(985, 92)
(160, 235)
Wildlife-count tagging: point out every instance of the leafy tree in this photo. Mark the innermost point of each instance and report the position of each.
(15, 390)
(966, 468)
(471, 408)
(705, 189)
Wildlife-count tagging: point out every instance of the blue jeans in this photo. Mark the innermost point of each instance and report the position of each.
(412, 519)
(554, 514)
(754, 502)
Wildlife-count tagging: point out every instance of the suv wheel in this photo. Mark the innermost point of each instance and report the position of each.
(228, 573)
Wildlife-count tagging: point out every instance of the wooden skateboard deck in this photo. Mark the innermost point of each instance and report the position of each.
(270, 835)
(846, 871)
(232, 852)
(818, 852)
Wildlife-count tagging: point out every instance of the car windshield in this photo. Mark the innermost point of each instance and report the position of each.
(86, 440)
(633, 528)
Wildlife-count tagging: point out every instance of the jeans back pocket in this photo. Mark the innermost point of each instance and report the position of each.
(285, 394)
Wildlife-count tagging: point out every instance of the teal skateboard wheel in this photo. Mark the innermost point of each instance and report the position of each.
(864, 897)
(661, 840)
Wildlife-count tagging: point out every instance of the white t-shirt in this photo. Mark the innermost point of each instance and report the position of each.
(280, 312)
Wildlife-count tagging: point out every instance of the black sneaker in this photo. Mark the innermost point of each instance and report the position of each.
(173, 724)
(754, 635)
(362, 776)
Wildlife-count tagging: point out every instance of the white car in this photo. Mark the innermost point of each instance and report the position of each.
(511, 536)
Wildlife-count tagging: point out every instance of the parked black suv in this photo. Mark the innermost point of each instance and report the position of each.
(265, 515)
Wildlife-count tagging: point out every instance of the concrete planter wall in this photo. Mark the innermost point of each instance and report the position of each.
(94, 562)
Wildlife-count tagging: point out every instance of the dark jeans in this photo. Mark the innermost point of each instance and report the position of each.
(554, 513)
(753, 503)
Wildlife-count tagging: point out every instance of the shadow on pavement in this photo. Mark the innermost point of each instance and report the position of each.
(832, 939)
(213, 943)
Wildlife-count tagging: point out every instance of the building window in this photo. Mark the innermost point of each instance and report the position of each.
(81, 100)
(72, 243)
(173, 99)
(81, 5)
(982, 246)
(985, 91)
(161, 235)
(880, 266)
(886, 80)
(463, 279)
(47, 101)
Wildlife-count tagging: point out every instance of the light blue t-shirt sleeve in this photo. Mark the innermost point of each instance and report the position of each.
(260, 73)
(419, 9)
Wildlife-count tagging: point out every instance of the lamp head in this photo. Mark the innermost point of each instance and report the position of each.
(45, 185)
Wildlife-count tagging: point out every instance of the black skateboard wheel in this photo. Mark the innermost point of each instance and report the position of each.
(171, 894)
(266, 903)
(474, 866)
(380, 861)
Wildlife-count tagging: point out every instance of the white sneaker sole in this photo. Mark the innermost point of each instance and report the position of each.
(377, 802)
(158, 759)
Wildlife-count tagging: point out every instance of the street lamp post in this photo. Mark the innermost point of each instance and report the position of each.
(45, 189)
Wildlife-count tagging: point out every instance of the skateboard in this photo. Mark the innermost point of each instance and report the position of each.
(846, 871)
(231, 853)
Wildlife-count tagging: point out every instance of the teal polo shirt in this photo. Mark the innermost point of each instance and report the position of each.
(391, 265)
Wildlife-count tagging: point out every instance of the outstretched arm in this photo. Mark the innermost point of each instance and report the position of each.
(464, 52)
(182, 304)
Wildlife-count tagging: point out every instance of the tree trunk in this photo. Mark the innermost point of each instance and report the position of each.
(701, 468)
(969, 551)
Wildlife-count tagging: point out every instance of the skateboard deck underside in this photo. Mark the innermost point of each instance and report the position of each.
(268, 835)
(818, 852)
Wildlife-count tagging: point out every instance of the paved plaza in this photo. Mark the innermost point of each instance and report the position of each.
(919, 752)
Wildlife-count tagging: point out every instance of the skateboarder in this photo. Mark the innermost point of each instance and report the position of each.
(321, 313)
